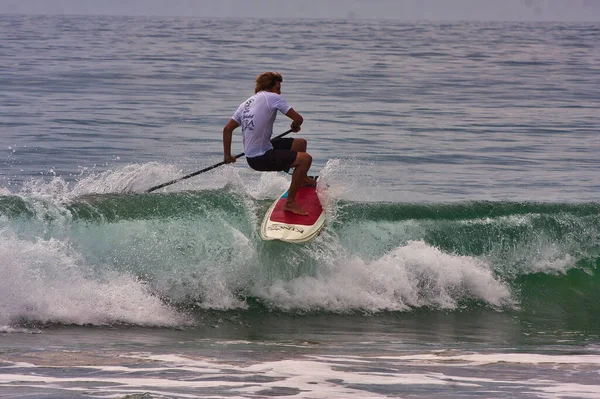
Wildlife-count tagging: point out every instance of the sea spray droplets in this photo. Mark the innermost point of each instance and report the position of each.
(126, 179)
(269, 186)
(344, 179)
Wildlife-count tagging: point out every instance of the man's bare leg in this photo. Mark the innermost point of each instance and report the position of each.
(301, 165)
(299, 145)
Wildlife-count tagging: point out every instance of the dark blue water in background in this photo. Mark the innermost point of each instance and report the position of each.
(432, 111)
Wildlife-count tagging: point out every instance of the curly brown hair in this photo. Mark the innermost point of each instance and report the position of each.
(266, 81)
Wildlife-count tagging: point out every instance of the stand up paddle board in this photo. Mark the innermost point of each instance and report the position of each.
(289, 227)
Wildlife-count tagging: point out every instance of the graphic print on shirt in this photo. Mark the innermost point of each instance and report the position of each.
(247, 116)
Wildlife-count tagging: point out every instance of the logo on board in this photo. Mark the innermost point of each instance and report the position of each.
(287, 227)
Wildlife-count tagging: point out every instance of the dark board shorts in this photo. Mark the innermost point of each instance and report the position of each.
(280, 158)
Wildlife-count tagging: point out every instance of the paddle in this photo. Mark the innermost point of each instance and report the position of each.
(203, 170)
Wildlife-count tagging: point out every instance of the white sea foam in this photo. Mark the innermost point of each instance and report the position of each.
(412, 275)
(538, 254)
(312, 376)
(551, 262)
(48, 281)
(450, 359)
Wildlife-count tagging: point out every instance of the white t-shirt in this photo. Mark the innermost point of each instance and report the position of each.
(256, 115)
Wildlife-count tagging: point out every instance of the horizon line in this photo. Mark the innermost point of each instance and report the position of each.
(353, 18)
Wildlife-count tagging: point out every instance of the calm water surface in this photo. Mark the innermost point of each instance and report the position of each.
(430, 111)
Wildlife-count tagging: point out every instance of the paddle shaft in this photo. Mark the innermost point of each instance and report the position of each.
(205, 169)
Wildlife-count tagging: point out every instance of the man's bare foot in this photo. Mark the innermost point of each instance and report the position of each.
(294, 208)
(309, 181)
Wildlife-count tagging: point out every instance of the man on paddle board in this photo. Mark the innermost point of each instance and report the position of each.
(256, 115)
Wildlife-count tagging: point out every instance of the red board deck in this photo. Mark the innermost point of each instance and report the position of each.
(307, 198)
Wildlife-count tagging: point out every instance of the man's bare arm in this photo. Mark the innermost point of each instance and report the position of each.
(227, 135)
(296, 120)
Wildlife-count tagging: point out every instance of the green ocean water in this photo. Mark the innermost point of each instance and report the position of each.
(201, 250)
